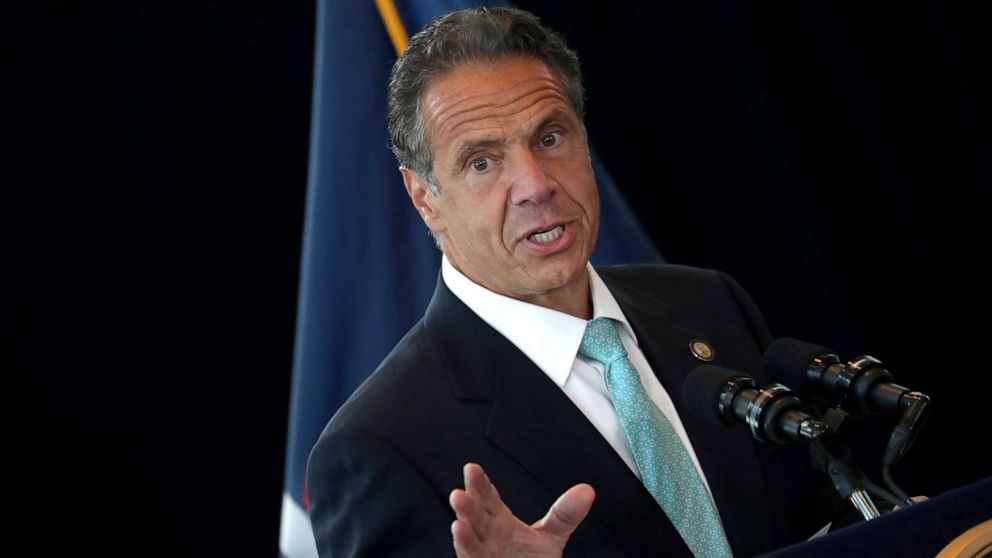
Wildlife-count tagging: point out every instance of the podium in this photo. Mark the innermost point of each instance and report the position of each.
(962, 516)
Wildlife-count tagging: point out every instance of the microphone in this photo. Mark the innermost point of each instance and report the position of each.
(773, 414)
(862, 384)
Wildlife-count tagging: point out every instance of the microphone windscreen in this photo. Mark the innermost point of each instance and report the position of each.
(701, 391)
(786, 361)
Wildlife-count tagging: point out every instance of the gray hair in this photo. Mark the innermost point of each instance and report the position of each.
(478, 35)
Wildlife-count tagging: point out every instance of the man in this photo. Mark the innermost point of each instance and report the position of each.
(503, 383)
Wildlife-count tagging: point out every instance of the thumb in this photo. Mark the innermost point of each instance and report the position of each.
(568, 511)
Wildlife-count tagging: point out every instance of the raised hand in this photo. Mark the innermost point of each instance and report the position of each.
(486, 528)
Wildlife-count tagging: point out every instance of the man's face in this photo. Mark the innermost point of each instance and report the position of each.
(518, 211)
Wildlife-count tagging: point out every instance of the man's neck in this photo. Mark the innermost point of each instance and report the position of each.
(572, 298)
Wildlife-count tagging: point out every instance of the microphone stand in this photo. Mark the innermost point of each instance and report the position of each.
(837, 462)
(847, 478)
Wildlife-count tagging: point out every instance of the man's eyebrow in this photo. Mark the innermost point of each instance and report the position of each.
(470, 147)
(555, 117)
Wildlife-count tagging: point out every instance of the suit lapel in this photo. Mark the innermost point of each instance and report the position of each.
(744, 507)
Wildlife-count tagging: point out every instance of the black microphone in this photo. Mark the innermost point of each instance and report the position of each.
(863, 384)
(772, 414)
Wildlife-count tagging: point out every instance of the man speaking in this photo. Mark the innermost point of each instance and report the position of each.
(531, 412)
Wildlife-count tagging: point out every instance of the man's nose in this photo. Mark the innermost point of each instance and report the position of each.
(530, 181)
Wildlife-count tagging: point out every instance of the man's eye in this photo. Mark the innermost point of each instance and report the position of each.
(479, 165)
(551, 139)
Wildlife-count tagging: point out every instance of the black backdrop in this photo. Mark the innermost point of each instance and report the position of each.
(833, 158)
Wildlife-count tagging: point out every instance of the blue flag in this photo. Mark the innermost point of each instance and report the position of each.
(369, 266)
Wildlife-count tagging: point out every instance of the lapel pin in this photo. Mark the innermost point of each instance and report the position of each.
(701, 350)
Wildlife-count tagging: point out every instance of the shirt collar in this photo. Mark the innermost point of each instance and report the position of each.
(548, 337)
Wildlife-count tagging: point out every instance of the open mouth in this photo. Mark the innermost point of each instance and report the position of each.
(546, 236)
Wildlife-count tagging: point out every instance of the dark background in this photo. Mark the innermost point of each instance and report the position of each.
(834, 159)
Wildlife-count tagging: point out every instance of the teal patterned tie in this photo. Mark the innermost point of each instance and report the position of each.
(666, 469)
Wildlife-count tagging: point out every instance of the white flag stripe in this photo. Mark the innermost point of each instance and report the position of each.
(295, 533)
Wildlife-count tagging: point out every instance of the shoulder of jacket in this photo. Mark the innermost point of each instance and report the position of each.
(660, 275)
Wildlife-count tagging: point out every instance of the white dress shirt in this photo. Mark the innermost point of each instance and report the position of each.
(551, 340)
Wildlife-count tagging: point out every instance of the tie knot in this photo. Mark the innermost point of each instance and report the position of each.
(602, 342)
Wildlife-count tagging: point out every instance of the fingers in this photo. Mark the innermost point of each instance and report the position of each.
(484, 526)
(478, 484)
(478, 508)
(469, 511)
(568, 511)
(467, 543)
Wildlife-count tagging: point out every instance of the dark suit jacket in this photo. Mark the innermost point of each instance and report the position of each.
(454, 391)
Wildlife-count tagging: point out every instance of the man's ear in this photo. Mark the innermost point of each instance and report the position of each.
(423, 199)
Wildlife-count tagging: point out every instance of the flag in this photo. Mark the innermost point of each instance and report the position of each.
(368, 265)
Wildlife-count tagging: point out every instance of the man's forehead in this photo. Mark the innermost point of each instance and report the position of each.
(474, 94)
(473, 79)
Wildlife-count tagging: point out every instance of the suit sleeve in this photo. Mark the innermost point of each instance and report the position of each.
(366, 500)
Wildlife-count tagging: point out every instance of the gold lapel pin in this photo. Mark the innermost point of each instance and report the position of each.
(701, 350)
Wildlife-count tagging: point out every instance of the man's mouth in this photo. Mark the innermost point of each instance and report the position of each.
(546, 236)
